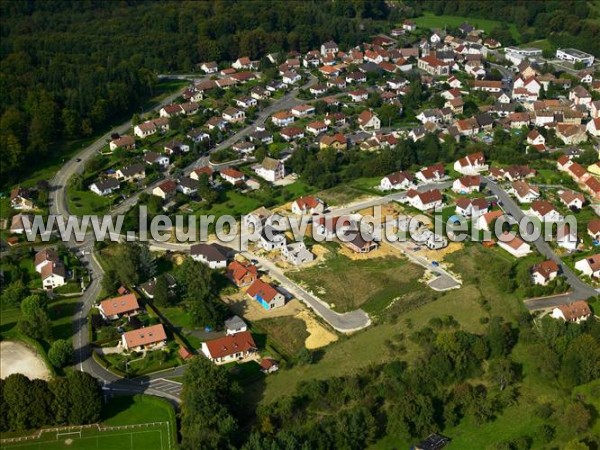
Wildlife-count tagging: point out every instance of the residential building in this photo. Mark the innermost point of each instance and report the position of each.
(358, 243)
(367, 120)
(473, 208)
(242, 273)
(235, 325)
(514, 245)
(265, 294)
(589, 266)
(271, 239)
(133, 172)
(214, 256)
(20, 199)
(337, 141)
(397, 180)
(425, 201)
(575, 56)
(467, 184)
(236, 347)
(433, 66)
(571, 199)
(317, 127)
(234, 115)
(297, 254)
(153, 337)
(471, 164)
(44, 257)
(54, 274)
(524, 192)
(308, 205)
(577, 312)
(593, 229)
(545, 211)
(544, 272)
(232, 175)
(485, 221)
(122, 142)
(431, 174)
(165, 190)
(119, 307)
(271, 169)
(105, 187)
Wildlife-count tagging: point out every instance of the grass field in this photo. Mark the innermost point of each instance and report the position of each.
(287, 334)
(371, 284)
(430, 20)
(130, 423)
(87, 202)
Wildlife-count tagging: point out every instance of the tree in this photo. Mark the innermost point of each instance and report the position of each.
(110, 282)
(502, 372)
(577, 417)
(60, 353)
(161, 291)
(35, 322)
(85, 398)
(13, 293)
(207, 395)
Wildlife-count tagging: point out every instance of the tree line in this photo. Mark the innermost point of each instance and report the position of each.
(30, 404)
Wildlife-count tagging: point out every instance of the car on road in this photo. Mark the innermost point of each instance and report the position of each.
(435, 264)
(77, 159)
(254, 261)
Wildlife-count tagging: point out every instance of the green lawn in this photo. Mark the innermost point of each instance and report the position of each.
(235, 204)
(429, 20)
(87, 203)
(370, 283)
(119, 411)
(286, 334)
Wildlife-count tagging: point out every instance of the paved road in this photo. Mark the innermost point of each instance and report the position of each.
(580, 290)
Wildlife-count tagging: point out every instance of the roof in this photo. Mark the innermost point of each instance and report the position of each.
(569, 196)
(433, 61)
(523, 188)
(433, 195)
(512, 240)
(491, 216)
(542, 207)
(431, 171)
(238, 270)
(328, 140)
(470, 180)
(120, 305)
(229, 345)
(472, 160)
(594, 262)
(235, 323)
(267, 363)
(291, 131)
(262, 289)
(365, 116)
(594, 226)
(132, 169)
(144, 336)
(270, 163)
(124, 141)
(546, 268)
(399, 177)
(54, 268)
(46, 254)
(575, 310)
(307, 202)
(231, 172)
(210, 252)
(109, 183)
(168, 186)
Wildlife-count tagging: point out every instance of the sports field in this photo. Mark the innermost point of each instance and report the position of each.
(155, 436)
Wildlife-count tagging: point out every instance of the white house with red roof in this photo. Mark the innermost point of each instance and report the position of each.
(471, 164)
(282, 118)
(118, 307)
(232, 175)
(471, 207)
(593, 229)
(576, 312)
(544, 272)
(593, 127)
(397, 180)
(485, 221)
(514, 245)
(226, 349)
(589, 266)
(467, 184)
(425, 201)
(148, 338)
(545, 211)
(265, 294)
(368, 120)
(308, 205)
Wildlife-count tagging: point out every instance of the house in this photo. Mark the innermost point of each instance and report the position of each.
(232, 175)
(131, 173)
(297, 254)
(244, 147)
(317, 127)
(151, 127)
(226, 349)
(266, 295)
(471, 164)
(544, 272)
(171, 110)
(430, 115)
(593, 127)
(209, 67)
(566, 237)
(329, 48)
(242, 273)
(196, 135)
(595, 109)
(486, 85)
(246, 102)
(302, 110)
(216, 123)
(367, 120)
(431, 174)
(358, 243)
(271, 239)
(54, 274)
(308, 205)
(577, 312)
(571, 199)
(258, 218)
(524, 192)
(271, 169)
(409, 25)
(330, 227)
(592, 185)
(571, 134)
(433, 66)
(235, 325)
(43, 257)
(151, 157)
(356, 77)
(291, 133)
(485, 221)
(338, 141)
(580, 96)
(259, 93)
(473, 208)
(124, 142)
(20, 199)
(149, 287)
(512, 173)
(397, 180)
(234, 115)
(196, 173)
(425, 201)
(21, 223)
(165, 190)
(467, 184)
(535, 138)
(262, 136)
(118, 307)
(514, 245)
(593, 229)
(105, 187)
(544, 211)
(153, 337)
(187, 186)
(318, 89)
(282, 118)
(291, 77)
(210, 254)
(244, 63)
(268, 365)
(589, 266)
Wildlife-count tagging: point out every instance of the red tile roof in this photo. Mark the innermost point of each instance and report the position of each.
(120, 305)
(145, 336)
(229, 345)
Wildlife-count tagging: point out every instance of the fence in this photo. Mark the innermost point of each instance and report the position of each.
(79, 428)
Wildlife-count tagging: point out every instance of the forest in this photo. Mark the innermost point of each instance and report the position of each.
(458, 376)
(69, 69)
